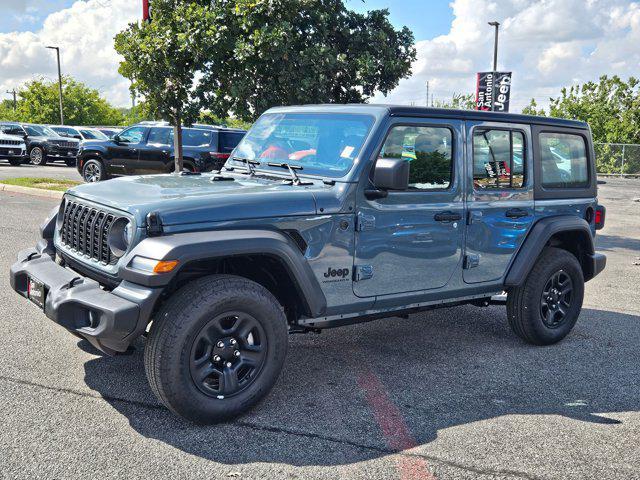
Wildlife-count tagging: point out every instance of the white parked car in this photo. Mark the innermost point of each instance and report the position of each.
(12, 148)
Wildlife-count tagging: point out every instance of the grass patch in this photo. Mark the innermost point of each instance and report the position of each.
(59, 185)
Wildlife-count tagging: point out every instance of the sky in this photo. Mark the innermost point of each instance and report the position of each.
(547, 44)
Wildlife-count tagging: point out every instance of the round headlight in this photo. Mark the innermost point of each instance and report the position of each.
(120, 236)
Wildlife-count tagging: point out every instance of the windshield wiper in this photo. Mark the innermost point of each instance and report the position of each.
(295, 180)
(250, 164)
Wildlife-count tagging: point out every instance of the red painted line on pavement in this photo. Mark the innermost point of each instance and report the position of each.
(394, 428)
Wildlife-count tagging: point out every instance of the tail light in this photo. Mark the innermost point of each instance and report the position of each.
(219, 156)
(599, 217)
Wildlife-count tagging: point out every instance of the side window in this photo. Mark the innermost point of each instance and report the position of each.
(13, 130)
(159, 136)
(429, 151)
(132, 135)
(196, 138)
(563, 158)
(229, 141)
(498, 159)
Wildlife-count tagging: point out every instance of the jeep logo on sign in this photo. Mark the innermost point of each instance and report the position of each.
(340, 272)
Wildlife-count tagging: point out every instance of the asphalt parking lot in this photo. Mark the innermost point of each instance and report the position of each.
(52, 170)
(443, 394)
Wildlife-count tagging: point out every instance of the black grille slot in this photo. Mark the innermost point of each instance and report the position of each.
(85, 230)
(10, 142)
(64, 144)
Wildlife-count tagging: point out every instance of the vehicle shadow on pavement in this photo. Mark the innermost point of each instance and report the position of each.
(614, 242)
(375, 389)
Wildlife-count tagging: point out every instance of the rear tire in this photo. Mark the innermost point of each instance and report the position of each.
(216, 348)
(544, 309)
(37, 156)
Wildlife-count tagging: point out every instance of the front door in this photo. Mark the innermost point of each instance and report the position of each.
(411, 240)
(123, 154)
(499, 197)
(156, 154)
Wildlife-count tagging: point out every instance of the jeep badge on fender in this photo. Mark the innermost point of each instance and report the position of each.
(238, 259)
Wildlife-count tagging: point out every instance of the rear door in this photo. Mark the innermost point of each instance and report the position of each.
(499, 197)
(411, 240)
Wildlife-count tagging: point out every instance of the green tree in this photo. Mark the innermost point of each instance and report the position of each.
(611, 106)
(162, 58)
(285, 52)
(38, 103)
(459, 101)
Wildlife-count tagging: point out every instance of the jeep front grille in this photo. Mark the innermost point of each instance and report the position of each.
(10, 142)
(85, 231)
(65, 144)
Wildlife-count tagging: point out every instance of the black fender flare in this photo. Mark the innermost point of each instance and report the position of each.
(197, 246)
(537, 239)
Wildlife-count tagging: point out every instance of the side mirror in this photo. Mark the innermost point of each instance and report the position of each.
(117, 139)
(391, 174)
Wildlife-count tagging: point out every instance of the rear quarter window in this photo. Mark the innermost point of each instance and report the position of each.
(563, 160)
(229, 140)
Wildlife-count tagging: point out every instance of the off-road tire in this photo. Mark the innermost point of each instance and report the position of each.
(524, 309)
(176, 327)
(37, 156)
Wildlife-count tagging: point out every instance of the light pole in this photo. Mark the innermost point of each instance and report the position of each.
(495, 65)
(57, 49)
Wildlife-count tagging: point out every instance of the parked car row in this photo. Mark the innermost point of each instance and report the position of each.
(103, 152)
(149, 148)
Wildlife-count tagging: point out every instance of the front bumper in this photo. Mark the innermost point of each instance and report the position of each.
(8, 152)
(111, 321)
(56, 152)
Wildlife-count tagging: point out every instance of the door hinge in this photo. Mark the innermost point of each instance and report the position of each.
(471, 260)
(363, 272)
(365, 222)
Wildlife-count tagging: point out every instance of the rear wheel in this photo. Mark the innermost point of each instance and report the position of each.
(37, 156)
(216, 348)
(545, 308)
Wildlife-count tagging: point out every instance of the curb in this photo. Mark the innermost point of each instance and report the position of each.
(38, 192)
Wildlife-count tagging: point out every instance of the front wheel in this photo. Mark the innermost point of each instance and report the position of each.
(216, 348)
(37, 156)
(545, 308)
(93, 171)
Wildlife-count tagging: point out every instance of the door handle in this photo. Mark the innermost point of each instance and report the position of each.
(516, 213)
(447, 217)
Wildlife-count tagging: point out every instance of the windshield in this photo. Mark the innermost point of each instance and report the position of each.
(40, 131)
(93, 134)
(322, 144)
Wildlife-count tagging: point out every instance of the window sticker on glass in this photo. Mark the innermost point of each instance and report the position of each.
(347, 152)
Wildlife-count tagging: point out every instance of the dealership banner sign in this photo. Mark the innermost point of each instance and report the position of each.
(485, 84)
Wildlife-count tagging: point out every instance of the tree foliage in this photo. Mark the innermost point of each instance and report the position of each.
(162, 57)
(459, 101)
(287, 52)
(250, 55)
(611, 106)
(38, 102)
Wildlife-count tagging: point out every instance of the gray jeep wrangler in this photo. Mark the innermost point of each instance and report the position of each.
(323, 216)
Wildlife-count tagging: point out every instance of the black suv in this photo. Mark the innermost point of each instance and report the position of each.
(43, 144)
(148, 148)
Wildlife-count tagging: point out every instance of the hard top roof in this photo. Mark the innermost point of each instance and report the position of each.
(424, 112)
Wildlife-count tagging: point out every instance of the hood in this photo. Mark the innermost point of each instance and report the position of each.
(197, 199)
(95, 142)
